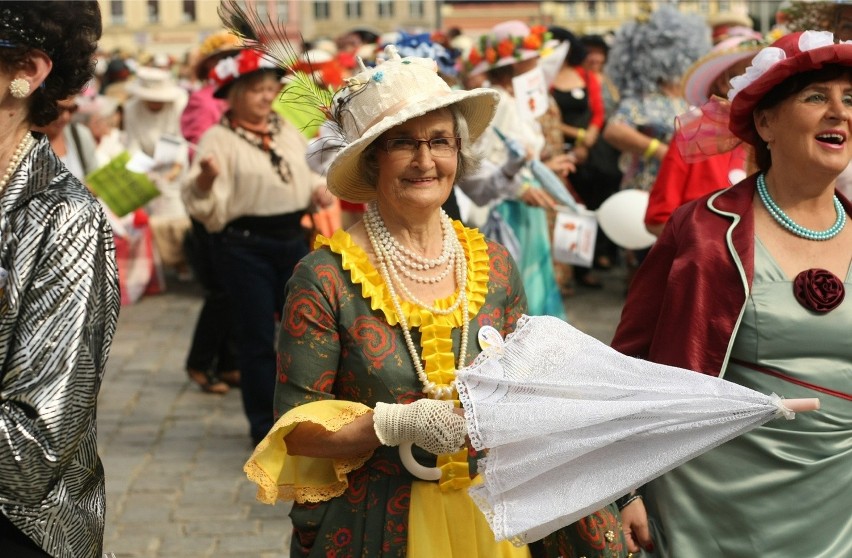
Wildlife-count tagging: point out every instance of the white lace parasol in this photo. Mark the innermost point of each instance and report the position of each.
(571, 424)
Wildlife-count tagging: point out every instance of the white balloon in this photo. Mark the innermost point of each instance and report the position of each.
(622, 218)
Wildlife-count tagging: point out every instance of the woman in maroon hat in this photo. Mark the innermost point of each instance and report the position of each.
(754, 279)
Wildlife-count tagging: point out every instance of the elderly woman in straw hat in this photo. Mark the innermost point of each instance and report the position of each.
(377, 320)
(762, 267)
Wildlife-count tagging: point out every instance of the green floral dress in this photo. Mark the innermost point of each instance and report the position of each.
(340, 352)
(598, 535)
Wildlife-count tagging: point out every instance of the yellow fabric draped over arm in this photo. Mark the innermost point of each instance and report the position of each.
(281, 476)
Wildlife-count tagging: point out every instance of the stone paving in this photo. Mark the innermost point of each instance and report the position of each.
(173, 455)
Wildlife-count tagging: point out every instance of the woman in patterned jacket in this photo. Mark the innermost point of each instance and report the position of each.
(59, 294)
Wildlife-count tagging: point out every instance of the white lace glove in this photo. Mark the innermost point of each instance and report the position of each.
(428, 423)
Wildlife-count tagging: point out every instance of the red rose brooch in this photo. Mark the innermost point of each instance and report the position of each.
(818, 290)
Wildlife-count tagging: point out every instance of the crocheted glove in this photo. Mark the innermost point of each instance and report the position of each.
(428, 423)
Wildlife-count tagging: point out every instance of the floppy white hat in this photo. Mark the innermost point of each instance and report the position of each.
(154, 84)
(378, 99)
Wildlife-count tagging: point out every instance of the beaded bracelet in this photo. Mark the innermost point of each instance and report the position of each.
(625, 501)
(651, 149)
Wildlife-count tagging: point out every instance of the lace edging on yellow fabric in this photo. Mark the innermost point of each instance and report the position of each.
(281, 476)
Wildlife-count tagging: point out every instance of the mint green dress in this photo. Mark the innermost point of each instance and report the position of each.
(783, 490)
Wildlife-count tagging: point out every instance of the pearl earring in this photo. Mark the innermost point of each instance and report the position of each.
(19, 88)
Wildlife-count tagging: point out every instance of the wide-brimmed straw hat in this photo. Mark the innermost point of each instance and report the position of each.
(246, 62)
(155, 85)
(378, 99)
(790, 55)
(508, 43)
(699, 78)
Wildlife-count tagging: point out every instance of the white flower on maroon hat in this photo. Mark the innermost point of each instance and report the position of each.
(770, 56)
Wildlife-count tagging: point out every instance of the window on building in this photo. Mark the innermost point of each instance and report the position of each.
(321, 9)
(153, 11)
(571, 9)
(188, 11)
(261, 7)
(724, 5)
(116, 12)
(385, 8)
(353, 9)
(282, 10)
(609, 6)
(416, 8)
(592, 7)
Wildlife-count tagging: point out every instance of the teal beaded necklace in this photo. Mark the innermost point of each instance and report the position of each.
(784, 220)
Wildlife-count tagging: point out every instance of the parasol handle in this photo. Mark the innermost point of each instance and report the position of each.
(801, 405)
(418, 470)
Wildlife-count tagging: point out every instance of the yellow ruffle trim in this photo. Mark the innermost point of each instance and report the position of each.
(435, 330)
(281, 476)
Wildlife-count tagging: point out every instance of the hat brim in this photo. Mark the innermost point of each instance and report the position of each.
(222, 91)
(160, 95)
(484, 66)
(744, 103)
(701, 75)
(346, 177)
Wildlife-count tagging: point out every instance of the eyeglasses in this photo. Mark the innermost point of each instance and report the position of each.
(438, 147)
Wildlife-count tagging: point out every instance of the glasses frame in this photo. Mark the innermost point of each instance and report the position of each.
(387, 148)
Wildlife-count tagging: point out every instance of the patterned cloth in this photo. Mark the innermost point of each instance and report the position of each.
(653, 115)
(340, 352)
(57, 319)
(598, 535)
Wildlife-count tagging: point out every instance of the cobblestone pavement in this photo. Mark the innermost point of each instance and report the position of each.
(173, 455)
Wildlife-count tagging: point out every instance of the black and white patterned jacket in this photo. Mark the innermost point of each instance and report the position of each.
(58, 313)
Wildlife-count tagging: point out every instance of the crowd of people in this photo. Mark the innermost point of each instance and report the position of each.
(368, 215)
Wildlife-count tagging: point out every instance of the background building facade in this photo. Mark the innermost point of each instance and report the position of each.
(174, 27)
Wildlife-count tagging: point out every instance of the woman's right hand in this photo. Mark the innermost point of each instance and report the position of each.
(429, 423)
(209, 172)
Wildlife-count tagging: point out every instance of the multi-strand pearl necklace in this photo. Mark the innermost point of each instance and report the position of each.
(23, 148)
(392, 257)
(785, 221)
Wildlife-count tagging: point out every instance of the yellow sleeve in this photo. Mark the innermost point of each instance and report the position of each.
(280, 476)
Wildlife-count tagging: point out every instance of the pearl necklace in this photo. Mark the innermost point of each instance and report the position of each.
(23, 148)
(405, 260)
(785, 221)
(375, 227)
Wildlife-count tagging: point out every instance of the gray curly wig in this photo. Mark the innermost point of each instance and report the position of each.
(658, 50)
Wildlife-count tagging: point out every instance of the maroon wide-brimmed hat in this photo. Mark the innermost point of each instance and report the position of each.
(790, 55)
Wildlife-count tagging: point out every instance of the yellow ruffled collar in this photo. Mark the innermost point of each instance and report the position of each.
(435, 330)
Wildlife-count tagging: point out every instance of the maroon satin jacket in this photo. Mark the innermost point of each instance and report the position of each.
(685, 301)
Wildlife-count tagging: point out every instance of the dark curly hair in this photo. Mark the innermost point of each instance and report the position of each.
(67, 32)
